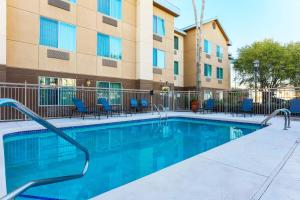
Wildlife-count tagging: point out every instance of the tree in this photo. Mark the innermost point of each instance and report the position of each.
(272, 72)
(293, 63)
(198, 41)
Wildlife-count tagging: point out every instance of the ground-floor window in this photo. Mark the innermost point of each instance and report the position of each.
(111, 91)
(56, 91)
(207, 94)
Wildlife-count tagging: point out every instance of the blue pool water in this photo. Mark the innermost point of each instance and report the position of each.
(120, 153)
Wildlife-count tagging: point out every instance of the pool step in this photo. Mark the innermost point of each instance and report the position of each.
(25, 196)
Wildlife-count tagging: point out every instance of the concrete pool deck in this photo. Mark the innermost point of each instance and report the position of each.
(261, 165)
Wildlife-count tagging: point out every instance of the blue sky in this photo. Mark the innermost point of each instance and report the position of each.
(246, 21)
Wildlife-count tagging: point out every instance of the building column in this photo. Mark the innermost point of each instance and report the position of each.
(2, 40)
(144, 44)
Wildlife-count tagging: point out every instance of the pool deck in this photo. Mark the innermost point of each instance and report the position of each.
(262, 165)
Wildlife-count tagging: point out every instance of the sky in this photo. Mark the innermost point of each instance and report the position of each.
(246, 21)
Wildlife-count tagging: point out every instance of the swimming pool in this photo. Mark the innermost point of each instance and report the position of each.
(120, 153)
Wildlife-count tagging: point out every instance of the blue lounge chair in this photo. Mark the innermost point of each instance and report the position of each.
(81, 108)
(209, 105)
(134, 105)
(295, 106)
(247, 106)
(144, 104)
(107, 108)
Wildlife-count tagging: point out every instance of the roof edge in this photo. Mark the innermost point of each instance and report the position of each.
(193, 26)
(168, 7)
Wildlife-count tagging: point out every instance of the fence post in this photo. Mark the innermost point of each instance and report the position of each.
(25, 96)
(189, 100)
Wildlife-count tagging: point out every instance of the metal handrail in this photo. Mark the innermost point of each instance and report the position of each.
(164, 110)
(156, 108)
(287, 117)
(20, 107)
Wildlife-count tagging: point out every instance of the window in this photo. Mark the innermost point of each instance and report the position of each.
(73, 1)
(112, 8)
(57, 34)
(158, 26)
(220, 73)
(207, 94)
(109, 46)
(110, 91)
(158, 58)
(176, 68)
(207, 70)
(176, 43)
(56, 91)
(207, 47)
(219, 51)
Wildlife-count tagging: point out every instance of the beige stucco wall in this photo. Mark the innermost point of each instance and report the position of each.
(167, 45)
(3, 32)
(24, 51)
(144, 44)
(216, 37)
(179, 57)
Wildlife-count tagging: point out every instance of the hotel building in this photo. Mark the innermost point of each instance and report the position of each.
(107, 43)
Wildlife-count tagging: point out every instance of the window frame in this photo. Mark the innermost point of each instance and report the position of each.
(155, 25)
(109, 16)
(176, 42)
(176, 74)
(209, 75)
(110, 57)
(157, 66)
(59, 86)
(219, 52)
(58, 23)
(209, 47)
(108, 89)
(218, 73)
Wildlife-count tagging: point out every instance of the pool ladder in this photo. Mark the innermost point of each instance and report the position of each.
(157, 108)
(287, 117)
(20, 107)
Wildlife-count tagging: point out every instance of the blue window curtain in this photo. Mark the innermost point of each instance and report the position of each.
(155, 57)
(219, 51)
(159, 26)
(154, 24)
(103, 45)
(115, 48)
(207, 70)
(111, 8)
(66, 37)
(48, 32)
(57, 34)
(73, 1)
(220, 73)
(160, 59)
(109, 46)
(104, 6)
(116, 9)
(207, 47)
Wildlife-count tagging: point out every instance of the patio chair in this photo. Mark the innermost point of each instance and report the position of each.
(134, 105)
(208, 106)
(295, 106)
(247, 106)
(82, 109)
(107, 108)
(144, 104)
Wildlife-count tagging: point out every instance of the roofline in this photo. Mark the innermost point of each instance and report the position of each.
(188, 28)
(167, 6)
(179, 32)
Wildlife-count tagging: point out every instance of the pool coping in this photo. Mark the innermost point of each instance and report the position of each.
(139, 118)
